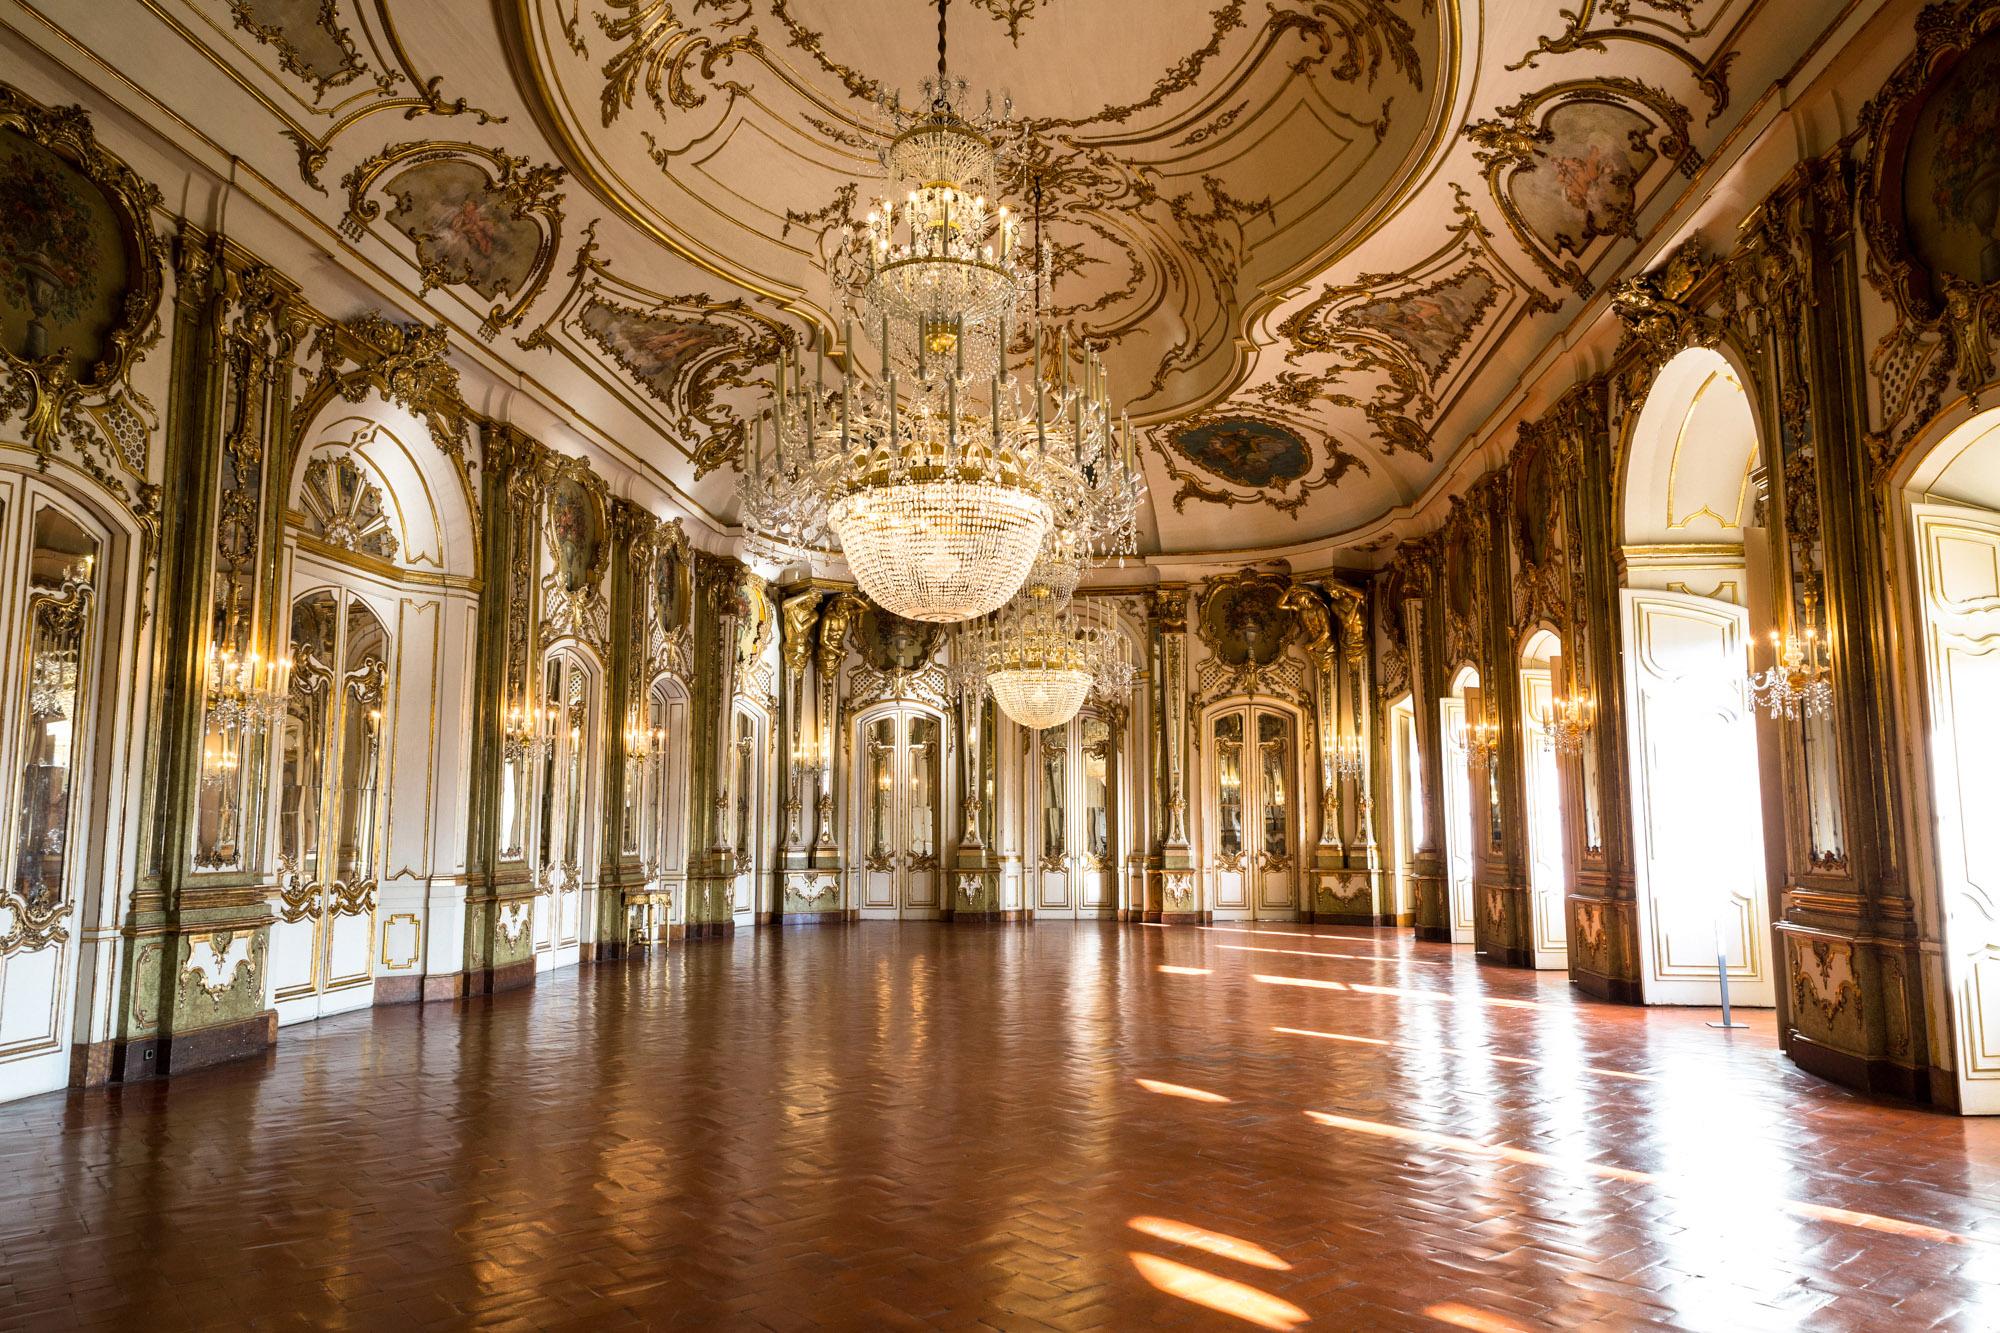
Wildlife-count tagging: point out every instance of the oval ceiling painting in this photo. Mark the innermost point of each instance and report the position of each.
(1246, 451)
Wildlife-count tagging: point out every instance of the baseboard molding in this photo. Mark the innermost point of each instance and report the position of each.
(1612, 990)
(182, 1052)
(1882, 1078)
(493, 980)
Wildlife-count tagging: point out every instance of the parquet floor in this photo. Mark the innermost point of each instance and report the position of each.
(923, 1126)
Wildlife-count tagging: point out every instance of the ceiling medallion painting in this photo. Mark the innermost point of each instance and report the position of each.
(698, 360)
(1565, 165)
(478, 218)
(1263, 460)
(1407, 330)
(314, 44)
(1231, 149)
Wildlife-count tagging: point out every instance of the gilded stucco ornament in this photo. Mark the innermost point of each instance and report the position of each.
(80, 282)
(698, 362)
(1670, 27)
(315, 48)
(477, 217)
(1410, 331)
(1565, 165)
(1155, 203)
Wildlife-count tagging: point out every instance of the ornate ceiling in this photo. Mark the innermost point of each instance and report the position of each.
(1320, 240)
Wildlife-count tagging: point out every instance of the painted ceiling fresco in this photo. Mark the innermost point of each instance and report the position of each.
(1319, 241)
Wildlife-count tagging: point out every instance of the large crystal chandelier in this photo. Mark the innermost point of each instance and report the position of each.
(1043, 656)
(941, 477)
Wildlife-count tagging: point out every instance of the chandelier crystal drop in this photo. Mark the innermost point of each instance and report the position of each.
(1565, 723)
(941, 475)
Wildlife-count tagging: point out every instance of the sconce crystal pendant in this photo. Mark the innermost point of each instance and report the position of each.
(1347, 757)
(1478, 741)
(940, 477)
(1798, 683)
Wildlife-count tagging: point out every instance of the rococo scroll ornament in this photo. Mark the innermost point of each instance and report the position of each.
(700, 361)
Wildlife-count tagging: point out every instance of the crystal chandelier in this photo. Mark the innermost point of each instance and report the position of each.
(941, 477)
(246, 692)
(1039, 660)
(1798, 683)
(1565, 722)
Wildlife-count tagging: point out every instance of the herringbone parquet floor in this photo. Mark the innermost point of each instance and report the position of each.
(1064, 1127)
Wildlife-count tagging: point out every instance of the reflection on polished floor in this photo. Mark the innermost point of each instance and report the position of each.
(1069, 1127)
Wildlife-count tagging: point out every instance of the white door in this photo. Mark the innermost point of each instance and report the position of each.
(49, 638)
(329, 817)
(1958, 580)
(1548, 888)
(751, 833)
(1253, 769)
(901, 762)
(1697, 821)
(1457, 821)
(1071, 793)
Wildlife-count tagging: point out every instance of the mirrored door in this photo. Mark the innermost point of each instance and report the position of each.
(899, 807)
(1252, 758)
(1074, 863)
(329, 813)
(48, 642)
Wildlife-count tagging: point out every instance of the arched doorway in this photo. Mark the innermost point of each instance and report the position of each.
(1455, 715)
(1951, 507)
(1250, 752)
(1548, 881)
(55, 655)
(899, 813)
(1690, 540)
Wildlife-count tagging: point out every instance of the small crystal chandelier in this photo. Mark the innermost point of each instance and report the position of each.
(246, 692)
(1565, 723)
(1798, 683)
(1347, 757)
(940, 478)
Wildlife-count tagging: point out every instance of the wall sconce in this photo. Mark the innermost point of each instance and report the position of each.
(645, 747)
(1347, 757)
(1798, 683)
(1565, 723)
(246, 692)
(1477, 741)
(528, 733)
